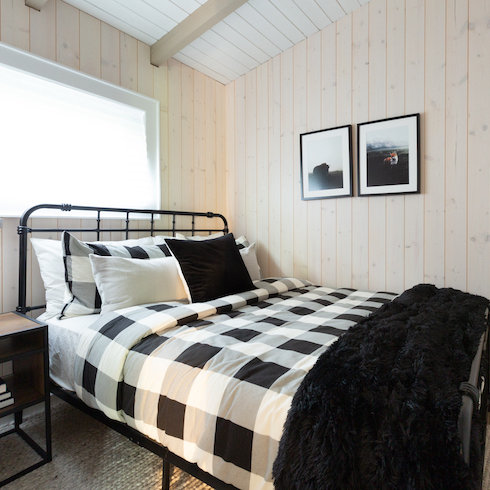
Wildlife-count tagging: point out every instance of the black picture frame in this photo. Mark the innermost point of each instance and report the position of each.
(389, 156)
(326, 163)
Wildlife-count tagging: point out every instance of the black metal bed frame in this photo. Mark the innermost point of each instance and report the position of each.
(100, 214)
(23, 230)
(475, 393)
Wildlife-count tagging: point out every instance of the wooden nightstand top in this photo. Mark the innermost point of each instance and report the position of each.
(13, 323)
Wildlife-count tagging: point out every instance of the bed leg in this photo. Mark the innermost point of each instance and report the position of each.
(167, 473)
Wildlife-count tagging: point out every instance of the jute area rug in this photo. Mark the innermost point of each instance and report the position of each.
(86, 455)
(89, 455)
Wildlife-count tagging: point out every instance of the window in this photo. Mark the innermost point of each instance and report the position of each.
(70, 138)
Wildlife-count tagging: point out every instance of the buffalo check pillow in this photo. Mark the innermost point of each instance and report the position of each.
(81, 294)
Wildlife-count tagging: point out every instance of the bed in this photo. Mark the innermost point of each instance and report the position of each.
(235, 378)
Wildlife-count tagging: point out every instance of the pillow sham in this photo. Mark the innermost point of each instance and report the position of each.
(81, 294)
(160, 239)
(49, 254)
(124, 282)
(250, 259)
(210, 268)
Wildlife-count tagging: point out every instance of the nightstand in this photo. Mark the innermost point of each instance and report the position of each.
(24, 342)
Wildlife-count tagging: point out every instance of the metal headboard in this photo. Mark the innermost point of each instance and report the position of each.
(100, 213)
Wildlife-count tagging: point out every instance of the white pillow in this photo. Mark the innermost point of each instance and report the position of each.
(50, 258)
(124, 282)
(130, 242)
(250, 258)
(179, 236)
(160, 239)
(49, 255)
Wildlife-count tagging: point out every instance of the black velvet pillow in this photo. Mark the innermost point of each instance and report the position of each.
(211, 268)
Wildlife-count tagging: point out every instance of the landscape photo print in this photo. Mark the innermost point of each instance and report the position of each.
(388, 159)
(326, 163)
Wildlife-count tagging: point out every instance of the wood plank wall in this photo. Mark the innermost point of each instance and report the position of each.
(235, 149)
(388, 58)
(191, 104)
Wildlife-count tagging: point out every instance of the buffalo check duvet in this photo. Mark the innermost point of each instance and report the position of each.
(213, 381)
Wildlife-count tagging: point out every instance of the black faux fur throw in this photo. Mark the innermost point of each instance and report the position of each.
(380, 408)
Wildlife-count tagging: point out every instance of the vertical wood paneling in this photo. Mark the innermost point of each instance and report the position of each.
(314, 123)
(263, 185)
(386, 59)
(300, 239)
(230, 154)
(14, 24)
(329, 119)
(377, 110)
(456, 143)
(199, 142)
(251, 210)
(240, 157)
(89, 45)
(110, 53)
(434, 153)
(478, 147)
(128, 70)
(274, 156)
(187, 130)
(67, 35)
(210, 142)
(360, 112)
(160, 84)
(395, 105)
(144, 79)
(220, 156)
(175, 134)
(145, 70)
(10, 263)
(414, 102)
(42, 34)
(128, 78)
(344, 110)
(287, 162)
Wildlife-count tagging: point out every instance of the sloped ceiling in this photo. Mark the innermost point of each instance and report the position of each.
(244, 39)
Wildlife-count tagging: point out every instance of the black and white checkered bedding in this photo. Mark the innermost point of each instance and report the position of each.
(213, 381)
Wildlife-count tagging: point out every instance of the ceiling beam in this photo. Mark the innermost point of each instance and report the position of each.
(192, 27)
(36, 4)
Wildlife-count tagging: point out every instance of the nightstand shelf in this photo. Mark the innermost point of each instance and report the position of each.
(24, 342)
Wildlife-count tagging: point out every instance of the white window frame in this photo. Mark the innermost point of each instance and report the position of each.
(31, 64)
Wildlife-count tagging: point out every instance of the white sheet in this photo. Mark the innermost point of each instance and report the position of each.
(63, 338)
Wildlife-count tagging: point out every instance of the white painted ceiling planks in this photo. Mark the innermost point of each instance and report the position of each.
(254, 33)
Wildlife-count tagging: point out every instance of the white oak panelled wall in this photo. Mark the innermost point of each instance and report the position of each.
(235, 148)
(388, 58)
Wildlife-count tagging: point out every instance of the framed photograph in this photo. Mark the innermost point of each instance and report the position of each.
(326, 163)
(389, 160)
